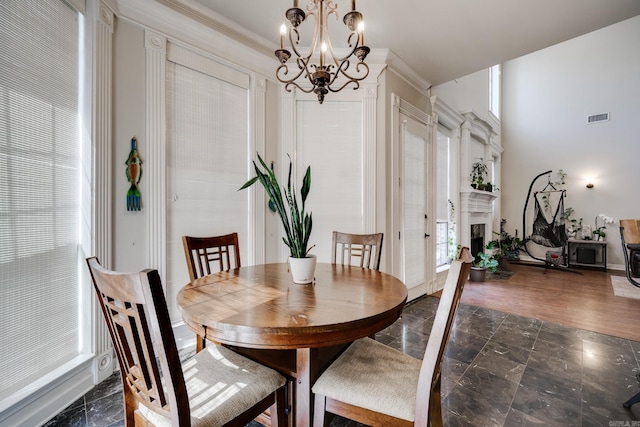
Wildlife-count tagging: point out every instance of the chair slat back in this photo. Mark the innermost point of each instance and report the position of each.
(135, 309)
(207, 255)
(428, 410)
(363, 250)
(630, 230)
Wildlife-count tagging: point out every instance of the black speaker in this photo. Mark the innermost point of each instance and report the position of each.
(586, 255)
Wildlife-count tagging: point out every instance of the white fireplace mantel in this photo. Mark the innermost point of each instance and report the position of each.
(476, 207)
(477, 201)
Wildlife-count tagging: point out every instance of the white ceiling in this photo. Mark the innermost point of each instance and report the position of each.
(441, 40)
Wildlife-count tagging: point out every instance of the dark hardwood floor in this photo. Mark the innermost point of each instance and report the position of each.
(584, 301)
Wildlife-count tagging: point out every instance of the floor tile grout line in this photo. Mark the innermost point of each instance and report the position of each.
(526, 364)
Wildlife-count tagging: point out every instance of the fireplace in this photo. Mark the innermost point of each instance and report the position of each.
(477, 239)
(476, 219)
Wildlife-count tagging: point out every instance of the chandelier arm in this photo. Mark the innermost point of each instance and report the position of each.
(293, 83)
(311, 11)
(355, 82)
(344, 66)
(284, 70)
(293, 45)
(336, 60)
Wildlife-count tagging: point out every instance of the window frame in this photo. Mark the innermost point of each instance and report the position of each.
(495, 89)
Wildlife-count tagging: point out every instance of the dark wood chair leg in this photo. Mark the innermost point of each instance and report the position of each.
(319, 410)
(281, 407)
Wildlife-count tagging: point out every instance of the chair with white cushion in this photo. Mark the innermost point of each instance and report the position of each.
(377, 385)
(216, 387)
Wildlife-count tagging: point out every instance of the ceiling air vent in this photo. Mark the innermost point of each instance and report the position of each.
(602, 117)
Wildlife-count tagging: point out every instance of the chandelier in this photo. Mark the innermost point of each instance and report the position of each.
(333, 73)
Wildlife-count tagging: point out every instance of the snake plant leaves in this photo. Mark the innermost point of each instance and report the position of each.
(296, 221)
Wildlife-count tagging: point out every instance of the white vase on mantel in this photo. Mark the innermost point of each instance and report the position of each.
(303, 269)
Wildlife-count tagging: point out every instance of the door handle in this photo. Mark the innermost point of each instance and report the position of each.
(426, 235)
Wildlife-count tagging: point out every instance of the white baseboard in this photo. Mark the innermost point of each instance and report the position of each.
(103, 366)
(35, 407)
(416, 292)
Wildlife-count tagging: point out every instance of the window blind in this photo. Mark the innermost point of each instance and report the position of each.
(329, 139)
(443, 177)
(39, 189)
(442, 198)
(414, 179)
(208, 161)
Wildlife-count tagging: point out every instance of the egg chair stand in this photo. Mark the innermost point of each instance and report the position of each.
(551, 234)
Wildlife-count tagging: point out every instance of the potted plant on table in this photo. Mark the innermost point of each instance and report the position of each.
(296, 221)
(483, 262)
(599, 231)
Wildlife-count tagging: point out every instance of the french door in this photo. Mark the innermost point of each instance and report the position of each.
(413, 215)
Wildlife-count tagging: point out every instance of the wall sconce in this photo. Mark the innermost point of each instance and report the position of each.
(590, 185)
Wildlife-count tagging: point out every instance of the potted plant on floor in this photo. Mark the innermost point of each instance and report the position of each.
(296, 221)
(505, 247)
(483, 262)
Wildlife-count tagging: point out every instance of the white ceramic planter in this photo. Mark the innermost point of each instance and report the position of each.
(303, 269)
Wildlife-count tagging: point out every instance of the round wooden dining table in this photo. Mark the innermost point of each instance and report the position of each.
(296, 329)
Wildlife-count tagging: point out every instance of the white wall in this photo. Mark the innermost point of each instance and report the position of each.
(468, 93)
(547, 97)
(130, 237)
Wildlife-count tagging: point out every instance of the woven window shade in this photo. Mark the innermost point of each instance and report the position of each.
(414, 207)
(208, 161)
(329, 139)
(39, 190)
(442, 206)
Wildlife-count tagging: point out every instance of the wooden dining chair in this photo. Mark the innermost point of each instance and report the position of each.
(207, 255)
(216, 387)
(357, 249)
(377, 385)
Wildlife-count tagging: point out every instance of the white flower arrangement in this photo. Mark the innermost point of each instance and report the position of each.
(599, 231)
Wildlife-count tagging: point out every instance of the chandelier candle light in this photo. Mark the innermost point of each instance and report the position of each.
(332, 73)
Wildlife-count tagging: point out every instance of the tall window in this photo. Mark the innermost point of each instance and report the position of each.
(443, 223)
(40, 190)
(494, 90)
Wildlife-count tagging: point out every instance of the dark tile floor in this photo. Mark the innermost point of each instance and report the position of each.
(500, 370)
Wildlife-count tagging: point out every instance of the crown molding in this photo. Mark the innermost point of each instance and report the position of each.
(447, 115)
(404, 71)
(197, 26)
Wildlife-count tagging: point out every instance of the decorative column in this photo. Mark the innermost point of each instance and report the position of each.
(155, 163)
(464, 230)
(369, 100)
(103, 363)
(497, 180)
(257, 202)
